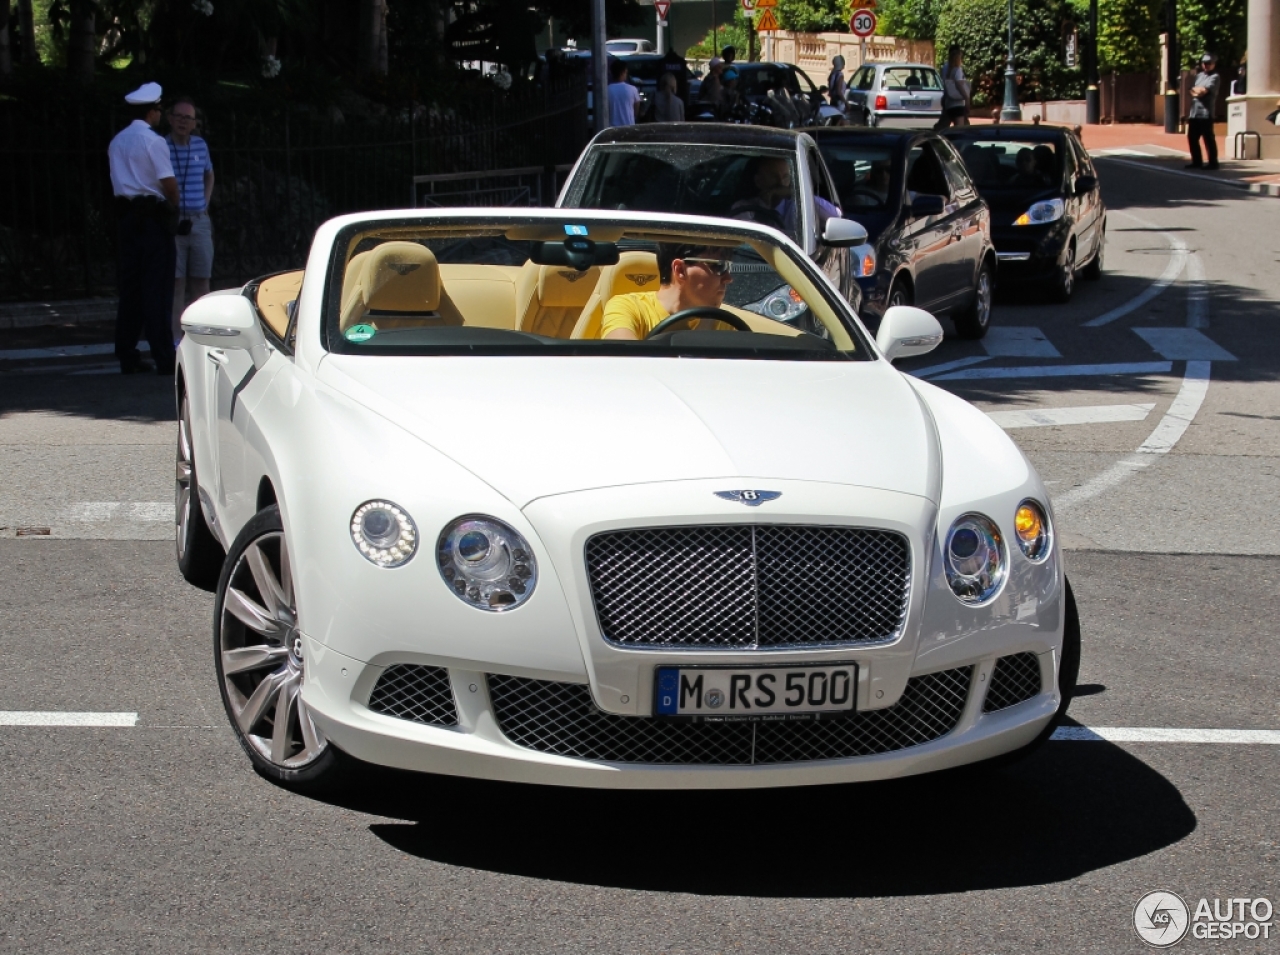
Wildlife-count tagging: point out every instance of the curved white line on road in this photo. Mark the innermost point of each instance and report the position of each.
(1178, 254)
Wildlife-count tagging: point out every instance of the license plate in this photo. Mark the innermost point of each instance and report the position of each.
(917, 103)
(755, 693)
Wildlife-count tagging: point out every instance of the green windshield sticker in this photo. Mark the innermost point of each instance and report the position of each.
(360, 333)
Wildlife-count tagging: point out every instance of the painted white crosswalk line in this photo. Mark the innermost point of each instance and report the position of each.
(1018, 342)
(1149, 734)
(1189, 344)
(1060, 371)
(1088, 414)
(101, 512)
(57, 718)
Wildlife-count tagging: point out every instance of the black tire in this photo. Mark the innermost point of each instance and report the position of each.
(1093, 271)
(975, 320)
(1064, 282)
(900, 293)
(260, 664)
(199, 554)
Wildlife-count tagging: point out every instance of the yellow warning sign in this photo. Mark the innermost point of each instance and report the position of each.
(862, 5)
(766, 3)
(765, 20)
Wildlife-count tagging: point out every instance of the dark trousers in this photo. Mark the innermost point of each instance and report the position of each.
(144, 275)
(1198, 129)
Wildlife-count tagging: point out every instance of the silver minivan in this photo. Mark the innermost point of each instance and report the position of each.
(894, 94)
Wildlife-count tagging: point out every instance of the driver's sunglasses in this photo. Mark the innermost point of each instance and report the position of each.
(718, 267)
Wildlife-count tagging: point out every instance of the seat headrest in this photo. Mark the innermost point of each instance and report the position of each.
(635, 272)
(562, 287)
(401, 277)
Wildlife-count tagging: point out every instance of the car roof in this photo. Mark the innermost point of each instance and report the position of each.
(911, 66)
(718, 134)
(1032, 131)
(871, 133)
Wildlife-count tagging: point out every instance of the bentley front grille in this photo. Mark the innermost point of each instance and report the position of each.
(1015, 680)
(742, 586)
(562, 719)
(419, 694)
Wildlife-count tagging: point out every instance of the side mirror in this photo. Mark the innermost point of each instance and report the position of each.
(844, 232)
(1085, 184)
(226, 320)
(926, 204)
(906, 332)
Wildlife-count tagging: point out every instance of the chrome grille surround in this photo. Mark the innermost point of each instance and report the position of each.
(420, 694)
(562, 719)
(749, 586)
(1016, 679)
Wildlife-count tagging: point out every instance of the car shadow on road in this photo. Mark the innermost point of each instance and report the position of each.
(1072, 808)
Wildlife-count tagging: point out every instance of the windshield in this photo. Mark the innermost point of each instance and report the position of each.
(759, 79)
(903, 78)
(863, 174)
(757, 185)
(1011, 164)
(541, 286)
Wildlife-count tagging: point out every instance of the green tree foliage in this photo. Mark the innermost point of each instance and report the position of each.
(912, 19)
(1129, 35)
(813, 16)
(980, 29)
(732, 34)
(1216, 26)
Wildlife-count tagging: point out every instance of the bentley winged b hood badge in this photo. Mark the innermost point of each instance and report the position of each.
(749, 498)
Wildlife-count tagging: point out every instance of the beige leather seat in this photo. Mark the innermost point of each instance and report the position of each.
(635, 272)
(398, 287)
(550, 298)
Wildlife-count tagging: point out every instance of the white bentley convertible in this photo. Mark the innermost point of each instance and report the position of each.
(604, 499)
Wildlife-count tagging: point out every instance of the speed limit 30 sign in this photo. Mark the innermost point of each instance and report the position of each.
(862, 23)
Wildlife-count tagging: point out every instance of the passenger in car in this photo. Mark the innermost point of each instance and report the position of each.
(1025, 172)
(689, 276)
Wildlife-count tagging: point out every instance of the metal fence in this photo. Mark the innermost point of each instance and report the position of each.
(277, 178)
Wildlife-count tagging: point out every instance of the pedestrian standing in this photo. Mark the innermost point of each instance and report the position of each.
(728, 55)
(955, 91)
(624, 99)
(146, 209)
(667, 105)
(1204, 99)
(193, 168)
(836, 87)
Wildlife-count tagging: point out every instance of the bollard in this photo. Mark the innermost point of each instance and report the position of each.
(1092, 106)
(1171, 111)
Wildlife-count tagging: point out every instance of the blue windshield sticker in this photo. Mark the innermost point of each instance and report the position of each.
(575, 230)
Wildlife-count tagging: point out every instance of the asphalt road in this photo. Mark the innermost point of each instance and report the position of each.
(159, 838)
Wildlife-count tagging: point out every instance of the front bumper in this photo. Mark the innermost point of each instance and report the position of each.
(1030, 253)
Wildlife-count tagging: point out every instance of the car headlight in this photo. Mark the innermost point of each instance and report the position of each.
(1050, 210)
(1031, 528)
(486, 563)
(384, 533)
(975, 558)
(783, 304)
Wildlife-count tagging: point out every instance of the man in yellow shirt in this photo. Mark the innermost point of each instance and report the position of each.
(690, 276)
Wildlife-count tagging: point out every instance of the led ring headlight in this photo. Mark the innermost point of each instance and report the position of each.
(384, 533)
(1031, 528)
(975, 558)
(486, 563)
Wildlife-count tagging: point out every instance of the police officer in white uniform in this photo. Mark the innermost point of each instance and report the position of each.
(146, 207)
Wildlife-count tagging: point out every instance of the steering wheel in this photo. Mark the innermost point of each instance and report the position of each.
(702, 311)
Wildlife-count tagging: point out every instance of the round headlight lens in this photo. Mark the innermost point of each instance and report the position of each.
(1031, 527)
(384, 533)
(975, 558)
(486, 563)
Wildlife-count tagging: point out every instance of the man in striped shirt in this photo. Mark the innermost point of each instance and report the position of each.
(194, 171)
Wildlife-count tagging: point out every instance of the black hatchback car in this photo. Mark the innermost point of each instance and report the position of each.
(929, 227)
(1048, 219)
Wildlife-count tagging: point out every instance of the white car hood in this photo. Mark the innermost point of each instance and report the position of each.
(533, 427)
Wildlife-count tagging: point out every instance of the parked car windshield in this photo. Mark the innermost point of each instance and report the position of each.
(1011, 164)
(911, 78)
(558, 287)
(757, 185)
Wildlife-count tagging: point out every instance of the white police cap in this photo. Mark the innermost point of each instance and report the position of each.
(144, 94)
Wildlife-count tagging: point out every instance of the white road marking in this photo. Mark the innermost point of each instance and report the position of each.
(62, 351)
(1161, 441)
(1177, 261)
(949, 366)
(1061, 371)
(1184, 343)
(1088, 414)
(1151, 167)
(1019, 343)
(101, 512)
(1197, 293)
(55, 718)
(1146, 734)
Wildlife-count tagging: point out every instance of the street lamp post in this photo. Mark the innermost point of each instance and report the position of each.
(1092, 100)
(1011, 111)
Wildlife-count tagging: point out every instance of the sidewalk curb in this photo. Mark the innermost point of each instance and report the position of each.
(34, 314)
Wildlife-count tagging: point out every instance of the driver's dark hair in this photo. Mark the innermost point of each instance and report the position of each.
(668, 252)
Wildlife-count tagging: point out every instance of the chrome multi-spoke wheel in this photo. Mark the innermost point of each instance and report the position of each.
(261, 656)
(974, 322)
(1065, 283)
(199, 553)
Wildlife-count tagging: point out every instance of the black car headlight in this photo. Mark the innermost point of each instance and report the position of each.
(486, 563)
(975, 558)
